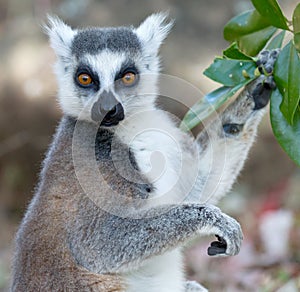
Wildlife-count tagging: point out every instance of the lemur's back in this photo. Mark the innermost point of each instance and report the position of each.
(43, 261)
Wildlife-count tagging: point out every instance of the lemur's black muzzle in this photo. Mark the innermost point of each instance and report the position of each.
(114, 116)
(107, 110)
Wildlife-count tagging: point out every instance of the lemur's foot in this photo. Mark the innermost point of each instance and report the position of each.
(265, 83)
(229, 234)
(193, 286)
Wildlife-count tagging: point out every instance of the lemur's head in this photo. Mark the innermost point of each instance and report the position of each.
(105, 74)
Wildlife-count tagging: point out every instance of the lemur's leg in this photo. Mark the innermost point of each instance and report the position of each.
(124, 243)
(193, 286)
(224, 144)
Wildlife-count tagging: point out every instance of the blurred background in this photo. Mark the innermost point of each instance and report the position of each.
(266, 197)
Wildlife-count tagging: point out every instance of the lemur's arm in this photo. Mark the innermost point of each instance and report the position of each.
(115, 244)
(225, 142)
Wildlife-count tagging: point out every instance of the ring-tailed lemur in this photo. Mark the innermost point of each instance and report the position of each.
(101, 218)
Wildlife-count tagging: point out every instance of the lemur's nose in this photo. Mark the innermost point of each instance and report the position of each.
(107, 110)
(114, 116)
(107, 101)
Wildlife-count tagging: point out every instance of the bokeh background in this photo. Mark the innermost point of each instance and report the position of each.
(266, 197)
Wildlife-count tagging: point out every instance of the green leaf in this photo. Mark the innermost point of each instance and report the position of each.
(250, 30)
(244, 24)
(297, 41)
(276, 42)
(233, 52)
(209, 104)
(230, 72)
(287, 136)
(296, 19)
(296, 27)
(253, 43)
(287, 78)
(271, 11)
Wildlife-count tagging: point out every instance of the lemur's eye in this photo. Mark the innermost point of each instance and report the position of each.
(129, 78)
(84, 79)
(232, 129)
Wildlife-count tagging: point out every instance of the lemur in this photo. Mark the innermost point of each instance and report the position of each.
(122, 188)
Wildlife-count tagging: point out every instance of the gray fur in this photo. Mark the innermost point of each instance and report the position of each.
(98, 241)
(90, 223)
(138, 186)
(94, 40)
(213, 140)
(135, 240)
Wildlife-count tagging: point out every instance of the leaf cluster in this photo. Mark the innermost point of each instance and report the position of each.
(264, 27)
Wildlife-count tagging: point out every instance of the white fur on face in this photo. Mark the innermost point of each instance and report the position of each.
(78, 103)
(106, 64)
(60, 36)
(153, 31)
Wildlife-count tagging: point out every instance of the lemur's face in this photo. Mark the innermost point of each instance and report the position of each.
(107, 74)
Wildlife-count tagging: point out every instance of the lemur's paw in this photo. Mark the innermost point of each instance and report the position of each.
(192, 286)
(217, 247)
(265, 83)
(262, 91)
(229, 235)
(266, 61)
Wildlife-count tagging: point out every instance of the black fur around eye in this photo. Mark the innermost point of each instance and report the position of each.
(232, 129)
(128, 76)
(85, 78)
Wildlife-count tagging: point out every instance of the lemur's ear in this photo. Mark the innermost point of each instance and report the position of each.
(153, 31)
(60, 35)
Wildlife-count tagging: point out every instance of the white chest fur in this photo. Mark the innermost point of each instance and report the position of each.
(162, 273)
(155, 142)
(158, 150)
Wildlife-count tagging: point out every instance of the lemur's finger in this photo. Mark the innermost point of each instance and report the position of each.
(217, 244)
(213, 251)
(217, 247)
(261, 96)
(269, 83)
(263, 89)
(266, 61)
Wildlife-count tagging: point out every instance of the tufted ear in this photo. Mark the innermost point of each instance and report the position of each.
(153, 31)
(60, 36)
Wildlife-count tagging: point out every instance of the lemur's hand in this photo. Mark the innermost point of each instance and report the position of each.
(266, 61)
(229, 234)
(261, 89)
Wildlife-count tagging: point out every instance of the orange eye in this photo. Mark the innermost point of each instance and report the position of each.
(84, 79)
(128, 78)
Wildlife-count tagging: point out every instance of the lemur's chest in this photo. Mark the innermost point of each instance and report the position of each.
(155, 143)
(160, 273)
(158, 156)
(118, 166)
